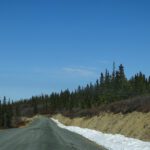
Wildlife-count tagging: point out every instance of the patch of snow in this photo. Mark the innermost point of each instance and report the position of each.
(109, 141)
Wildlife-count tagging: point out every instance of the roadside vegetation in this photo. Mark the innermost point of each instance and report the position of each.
(112, 92)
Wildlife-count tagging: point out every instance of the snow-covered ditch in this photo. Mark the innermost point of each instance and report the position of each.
(109, 141)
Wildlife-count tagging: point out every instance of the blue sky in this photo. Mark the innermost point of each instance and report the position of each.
(49, 45)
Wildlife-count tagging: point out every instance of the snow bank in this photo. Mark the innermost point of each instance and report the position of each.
(109, 141)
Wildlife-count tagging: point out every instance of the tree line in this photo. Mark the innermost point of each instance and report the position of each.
(6, 113)
(110, 87)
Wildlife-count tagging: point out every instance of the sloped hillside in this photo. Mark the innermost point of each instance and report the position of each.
(135, 124)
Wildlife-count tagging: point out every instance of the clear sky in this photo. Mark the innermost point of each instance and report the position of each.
(49, 45)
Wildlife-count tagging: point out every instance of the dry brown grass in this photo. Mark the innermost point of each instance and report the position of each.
(135, 124)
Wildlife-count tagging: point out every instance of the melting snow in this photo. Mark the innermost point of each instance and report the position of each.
(109, 141)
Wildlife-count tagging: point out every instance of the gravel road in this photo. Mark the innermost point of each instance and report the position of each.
(44, 134)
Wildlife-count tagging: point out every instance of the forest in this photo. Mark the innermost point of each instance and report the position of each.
(112, 91)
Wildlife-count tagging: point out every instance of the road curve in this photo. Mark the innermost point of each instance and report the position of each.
(43, 134)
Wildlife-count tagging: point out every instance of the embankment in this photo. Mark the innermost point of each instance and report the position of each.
(135, 124)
